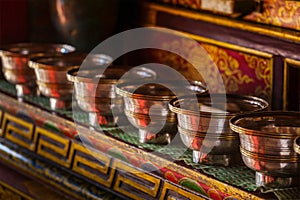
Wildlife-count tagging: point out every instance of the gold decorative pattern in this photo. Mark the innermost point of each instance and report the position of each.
(19, 131)
(233, 69)
(180, 64)
(53, 146)
(262, 59)
(149, 184)
(229, 67)
(263, 71)
(9, 193)
(278, 13)
(92, 164)
(179, 193)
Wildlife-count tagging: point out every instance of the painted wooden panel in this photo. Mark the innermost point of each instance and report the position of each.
(280, 13)
(19, 131)
(225, 7)
(53, 146)
(92, 164)
(244, 72)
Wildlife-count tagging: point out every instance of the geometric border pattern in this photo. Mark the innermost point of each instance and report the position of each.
(89, 163)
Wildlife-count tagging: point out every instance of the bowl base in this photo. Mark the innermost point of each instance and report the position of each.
(276, 182)
(216, 159)
(26, 89)
(57, 104)
(108, 120)
(162, 137)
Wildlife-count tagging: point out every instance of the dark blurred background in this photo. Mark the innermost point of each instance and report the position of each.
(33, 21)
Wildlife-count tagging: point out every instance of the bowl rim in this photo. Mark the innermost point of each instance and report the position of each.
(125, 93)
(247, 131)
(72, 74)
(36, 62)
(173, 105)
(6, 50)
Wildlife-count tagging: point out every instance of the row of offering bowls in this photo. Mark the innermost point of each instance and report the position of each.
(219, 128)
(15, 59)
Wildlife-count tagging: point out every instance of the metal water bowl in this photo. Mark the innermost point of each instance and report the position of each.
(146, 107)
(268, 146)
(205, 119)
(51, 74)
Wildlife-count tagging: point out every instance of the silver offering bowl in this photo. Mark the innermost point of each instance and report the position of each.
(267, 146)
(95, 91)
(15, 58)
(209, 116)
(146, 107)
(51, 74)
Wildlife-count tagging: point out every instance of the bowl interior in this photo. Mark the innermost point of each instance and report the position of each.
(112, 73)
(275, 123)
(165, 90)
(148, 89)
(218, 104)
(59, 61)
(32, 48)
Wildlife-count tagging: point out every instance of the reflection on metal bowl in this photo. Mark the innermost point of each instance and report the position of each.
(59, 94)
(146, 106)
(208, 115)
(100, 105)
(267, 145)
(223, 149)
(55, 90)
(153, 129)
(221, 143)
(51, 73)
(15, 57)
(297, 145)
(21, 77)
(273, 171)
(95, 91)
(106, 119)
